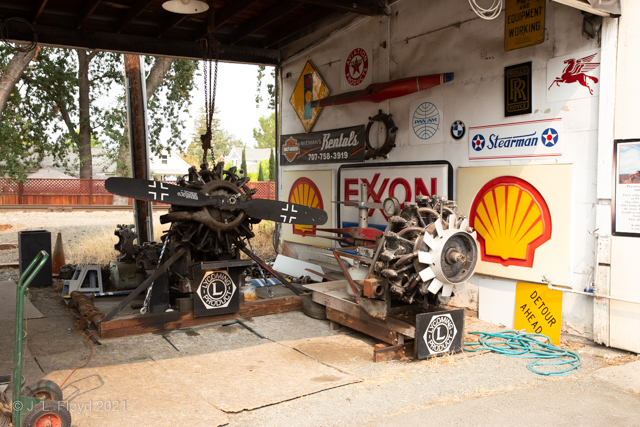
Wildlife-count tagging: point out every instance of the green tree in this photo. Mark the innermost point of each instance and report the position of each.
(272, 167)
(57, 110)
(255, 172)
(169, 84)
(265, 135)
(243, 165)
(271, 88)
(221, 140)
(260, 173)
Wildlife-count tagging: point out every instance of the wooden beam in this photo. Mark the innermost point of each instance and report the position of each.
(136, 9)
(89, 8)
(586, 7)
(170, 24)
(9, 264)
(360, 7)
(263, 20)
(396, 352)
(39, 8)
(136, 324)
(127, 43)
(230, 11)
(331, 300)
(298, 25)
(372, 329)
(8, 246)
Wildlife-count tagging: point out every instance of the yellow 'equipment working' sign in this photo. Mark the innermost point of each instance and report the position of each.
(523, 23)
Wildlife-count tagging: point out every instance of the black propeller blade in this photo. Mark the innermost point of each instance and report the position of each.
(272, 210)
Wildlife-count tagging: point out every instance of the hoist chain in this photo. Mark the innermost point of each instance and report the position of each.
(210, 49)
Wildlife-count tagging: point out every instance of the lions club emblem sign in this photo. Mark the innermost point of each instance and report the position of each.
(216, 289)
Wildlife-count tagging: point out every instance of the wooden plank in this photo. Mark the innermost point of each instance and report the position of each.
(270, 306)
(8, 246)
(264, 19)
(39, 8)
(308, 20)
(396, 352)
(9, 264)
(362, 7)
(375, 330)
(89, 8)
(354, 310)
(156, 323)
(138, 324)
(171, 23)
(136, 9)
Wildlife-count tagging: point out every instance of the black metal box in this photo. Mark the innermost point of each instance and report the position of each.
(216, 287)
(439, 332)
(31, 242)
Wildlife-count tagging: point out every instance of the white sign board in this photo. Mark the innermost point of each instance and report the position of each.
(357, 70)
(427, 120)
(573, 76)
(404, 181)
(627, 197)
(521, 140)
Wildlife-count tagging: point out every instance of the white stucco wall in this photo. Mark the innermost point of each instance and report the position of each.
(446, 36)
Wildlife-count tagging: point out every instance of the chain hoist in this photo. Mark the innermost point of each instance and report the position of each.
(210, 48)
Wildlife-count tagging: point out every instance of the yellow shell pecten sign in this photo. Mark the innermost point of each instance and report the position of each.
(310, 87)
(512, 220)
(305, 192)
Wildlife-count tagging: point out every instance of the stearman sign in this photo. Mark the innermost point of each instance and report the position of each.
(521, 140)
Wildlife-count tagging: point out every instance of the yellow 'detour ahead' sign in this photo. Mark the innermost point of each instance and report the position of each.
(523, 23)
(539, 310)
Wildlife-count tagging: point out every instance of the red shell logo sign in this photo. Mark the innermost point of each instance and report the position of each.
(356, 66)
(305, 192)
(291, 149)
(512, 220)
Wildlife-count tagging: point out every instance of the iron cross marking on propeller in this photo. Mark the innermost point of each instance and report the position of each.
(286, 209)
(155, 194)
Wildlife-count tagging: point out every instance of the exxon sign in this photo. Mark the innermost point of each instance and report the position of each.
(405, 181)
(521, 140)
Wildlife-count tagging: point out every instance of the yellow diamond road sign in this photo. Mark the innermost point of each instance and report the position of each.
(310, 88)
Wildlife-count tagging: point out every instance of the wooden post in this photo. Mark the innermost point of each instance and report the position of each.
(91, 190)
(20, 191)
(138, 142)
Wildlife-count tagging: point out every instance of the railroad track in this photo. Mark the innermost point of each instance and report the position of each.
(71, 208)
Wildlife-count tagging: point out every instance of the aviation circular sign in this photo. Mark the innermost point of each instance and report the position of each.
(356, 66)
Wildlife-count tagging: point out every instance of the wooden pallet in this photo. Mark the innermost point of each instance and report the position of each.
(342, 309)
(144, 324)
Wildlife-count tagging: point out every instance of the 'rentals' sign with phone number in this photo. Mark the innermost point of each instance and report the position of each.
(344, 145)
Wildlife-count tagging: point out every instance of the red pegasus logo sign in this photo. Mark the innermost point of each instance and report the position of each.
(575, 71)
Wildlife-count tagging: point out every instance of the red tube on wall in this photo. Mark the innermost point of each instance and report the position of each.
(379, 92)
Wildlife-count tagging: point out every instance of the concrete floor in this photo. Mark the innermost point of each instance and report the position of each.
(463, 389)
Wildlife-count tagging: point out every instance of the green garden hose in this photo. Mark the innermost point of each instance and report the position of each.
(526, 346)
